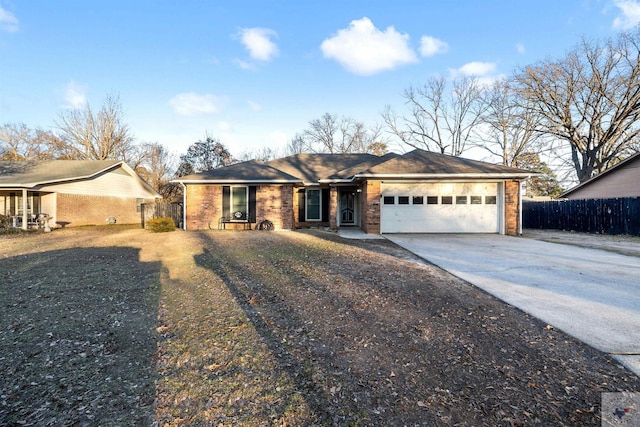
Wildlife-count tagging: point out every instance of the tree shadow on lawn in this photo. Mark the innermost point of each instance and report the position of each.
(318, 354)
(77, 337)
(368, 336)
(316, 399)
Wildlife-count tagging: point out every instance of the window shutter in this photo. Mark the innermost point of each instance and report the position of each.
(226, 200)
(301, 205)
(325, 205)
(252, 204)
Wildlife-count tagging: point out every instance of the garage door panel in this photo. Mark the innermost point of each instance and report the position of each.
(440, 218)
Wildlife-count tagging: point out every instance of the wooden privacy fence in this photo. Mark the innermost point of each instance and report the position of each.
(161, 210)
(604, 216)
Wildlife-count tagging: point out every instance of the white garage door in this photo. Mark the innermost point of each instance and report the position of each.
(439, 208)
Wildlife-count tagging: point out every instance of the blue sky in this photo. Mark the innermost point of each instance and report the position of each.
(253, 73)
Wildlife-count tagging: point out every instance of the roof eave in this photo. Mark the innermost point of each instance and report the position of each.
(447, 176)
(237, 181)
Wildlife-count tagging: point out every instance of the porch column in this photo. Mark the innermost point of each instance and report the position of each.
(24, 209)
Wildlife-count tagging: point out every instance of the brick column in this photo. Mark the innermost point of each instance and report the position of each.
(512, 208)
(333, 208)
(370, 204)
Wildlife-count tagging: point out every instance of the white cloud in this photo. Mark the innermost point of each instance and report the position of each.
(364, 50)
(258, 42)
(520, 48)
(254, 106)
(75, 95)
(476, 69)
(193, 104)
(430, 46)
(8, 21)
(630, 14)
(483, 72)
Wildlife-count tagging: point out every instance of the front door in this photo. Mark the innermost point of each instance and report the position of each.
(347, 205)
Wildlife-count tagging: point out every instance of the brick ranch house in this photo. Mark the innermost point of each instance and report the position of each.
(71, 192)
(417, 192)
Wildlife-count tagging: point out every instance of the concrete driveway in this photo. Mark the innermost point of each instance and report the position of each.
(591, 294)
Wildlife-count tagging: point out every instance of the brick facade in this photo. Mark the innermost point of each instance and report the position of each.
(512, 208)
(279, 204)
(75, 209)
(370, 207)
(275, 203)
(204, 206)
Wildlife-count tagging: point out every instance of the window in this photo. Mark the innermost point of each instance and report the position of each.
(239, 204)
(139, 203)
(476, 200)
(403, 200)
(433, 200)
(388, 200)
(447, 200)
(489, 200)
(418, 200)
(461, 200)
(314, 205)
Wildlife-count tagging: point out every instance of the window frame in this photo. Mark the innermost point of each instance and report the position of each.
(232, 205)
(307, 204)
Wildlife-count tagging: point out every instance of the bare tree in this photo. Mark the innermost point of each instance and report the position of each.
(19, 142)
(263, 154)
(590, 100)
(333, 134)
(508, 129)
(94, 136)
(441, 117)
(295, 146)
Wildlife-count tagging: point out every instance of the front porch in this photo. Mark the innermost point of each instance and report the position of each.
(20, 208)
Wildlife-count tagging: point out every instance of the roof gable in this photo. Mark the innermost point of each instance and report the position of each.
(36, 173)
(632, 162)
(29, 173)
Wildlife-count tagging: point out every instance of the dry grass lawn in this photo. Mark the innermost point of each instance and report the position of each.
(116, 326)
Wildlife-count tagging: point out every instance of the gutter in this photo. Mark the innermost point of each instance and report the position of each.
(449, 176)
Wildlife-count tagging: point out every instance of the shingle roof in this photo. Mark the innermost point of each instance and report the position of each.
(314, 168)
(241, 172)
(29, 173)
(420, 162)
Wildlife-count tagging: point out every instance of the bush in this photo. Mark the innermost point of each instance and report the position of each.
(161, 225)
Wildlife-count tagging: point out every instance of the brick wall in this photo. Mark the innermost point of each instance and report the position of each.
(370, 207)
(333, 208)
(75, 209)
(275, 203)
(204, 206)
(512, 208)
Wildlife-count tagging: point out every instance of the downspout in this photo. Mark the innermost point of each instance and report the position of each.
(184, 206)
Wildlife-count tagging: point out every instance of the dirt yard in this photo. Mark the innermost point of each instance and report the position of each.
(115, 326)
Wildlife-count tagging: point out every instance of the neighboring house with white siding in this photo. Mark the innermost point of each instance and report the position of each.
(71, 192)
(619, 181)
